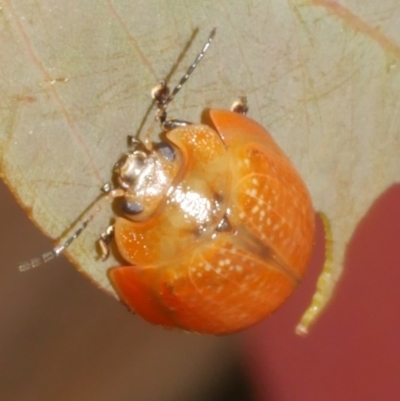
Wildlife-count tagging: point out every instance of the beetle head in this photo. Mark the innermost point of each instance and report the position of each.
(146, 177)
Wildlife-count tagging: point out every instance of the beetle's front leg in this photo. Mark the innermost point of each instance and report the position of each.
(105, 241)
(161, 95)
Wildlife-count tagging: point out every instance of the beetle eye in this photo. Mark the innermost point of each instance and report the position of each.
(166, 150)
(131, 208)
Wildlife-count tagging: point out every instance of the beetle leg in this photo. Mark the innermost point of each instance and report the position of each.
(160, 94)
(104, 242)
(240, 105)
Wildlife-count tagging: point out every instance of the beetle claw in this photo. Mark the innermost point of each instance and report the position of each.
(104, 243)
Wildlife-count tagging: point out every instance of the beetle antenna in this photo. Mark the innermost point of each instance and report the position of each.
(192, 67)
(58, 249)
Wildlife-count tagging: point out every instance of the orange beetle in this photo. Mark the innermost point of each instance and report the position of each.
(227, 240)
(218, 226)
